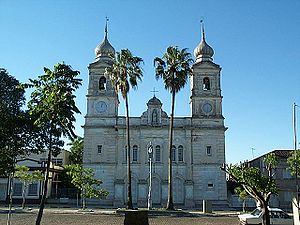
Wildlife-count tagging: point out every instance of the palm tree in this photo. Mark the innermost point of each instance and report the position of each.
(125, 72)
(174, 68)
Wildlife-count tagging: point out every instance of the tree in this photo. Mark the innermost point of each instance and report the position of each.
(125, 72)
(257, 185)
(174, 68)
(294, 163)
(12, 121)
(18, 135)
(271, 162)
(294, 167)
(22, 173)
(234, 188)
(76, 155)
(243, 195)
(52, 104)
(83, 179)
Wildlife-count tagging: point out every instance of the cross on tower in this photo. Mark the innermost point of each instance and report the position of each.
(106, 20)
(154, 91)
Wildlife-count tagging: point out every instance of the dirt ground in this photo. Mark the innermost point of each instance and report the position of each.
(99, 219)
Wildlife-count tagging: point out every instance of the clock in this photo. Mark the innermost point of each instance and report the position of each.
(207, 107)
(100, 107)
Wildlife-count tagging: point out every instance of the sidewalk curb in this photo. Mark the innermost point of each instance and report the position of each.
(121, 212)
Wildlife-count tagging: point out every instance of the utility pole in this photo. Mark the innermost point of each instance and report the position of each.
(252, 149)
(295, 149)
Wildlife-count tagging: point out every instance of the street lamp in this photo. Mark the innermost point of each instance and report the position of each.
(150, 155)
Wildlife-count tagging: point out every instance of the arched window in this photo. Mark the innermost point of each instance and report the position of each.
(157, 153)
(173, 153)
(102, 83)
(135, 153)
(180, 153)
(206, 84)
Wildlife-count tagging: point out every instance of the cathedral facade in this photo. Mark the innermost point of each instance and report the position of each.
(198, 142)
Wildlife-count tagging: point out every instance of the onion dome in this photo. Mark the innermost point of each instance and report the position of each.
(154, 101)
(203, 52)
(104, 49)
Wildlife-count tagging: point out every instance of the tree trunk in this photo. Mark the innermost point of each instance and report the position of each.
(8, 222)
(77, 199)
(129, 193)
(44, 194)
(170, 205)
(83, 203)
(265, 213)
(83, 199)
(23, 196)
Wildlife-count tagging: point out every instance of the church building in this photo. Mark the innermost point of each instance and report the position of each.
(198, 144)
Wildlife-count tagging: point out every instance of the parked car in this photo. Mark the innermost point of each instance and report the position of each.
(277, 217)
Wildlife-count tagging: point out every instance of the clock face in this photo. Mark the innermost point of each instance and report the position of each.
(100, 107)
(207, 107)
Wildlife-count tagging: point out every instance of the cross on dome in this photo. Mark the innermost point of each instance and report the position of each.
(154, 91)
(106, 25)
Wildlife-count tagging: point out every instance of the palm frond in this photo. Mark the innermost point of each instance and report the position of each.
(174, 68)
(125, 71)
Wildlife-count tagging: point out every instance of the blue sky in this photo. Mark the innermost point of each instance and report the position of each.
(257, 44)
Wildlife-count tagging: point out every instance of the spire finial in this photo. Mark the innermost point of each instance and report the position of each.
(202, 29)
(106, 20)
(203, 52)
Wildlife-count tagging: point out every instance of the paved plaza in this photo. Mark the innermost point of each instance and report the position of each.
(66, 217)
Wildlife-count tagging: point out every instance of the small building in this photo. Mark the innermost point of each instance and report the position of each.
(61, 159)
(34, 191)
(286, 183)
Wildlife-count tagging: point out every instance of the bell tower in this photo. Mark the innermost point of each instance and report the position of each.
(102, 99)
(206, 98)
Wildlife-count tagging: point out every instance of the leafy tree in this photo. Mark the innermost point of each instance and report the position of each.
(174, 68)
(52, 104)
(242, 195)
(234, 188)
(83, 179)
(22, 173)
(11, 116)
(294, 163)
(65, 179)
(18, 135)
(271, 161)
(76, 155)
(125, 72)
(257, 185)
(294, 167)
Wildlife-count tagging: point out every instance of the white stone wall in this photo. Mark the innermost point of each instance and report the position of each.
(191, 177)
